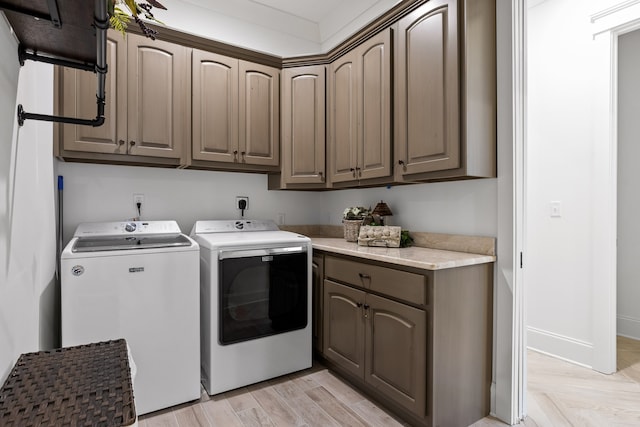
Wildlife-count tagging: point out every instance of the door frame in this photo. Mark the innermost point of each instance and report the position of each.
(509, 369)
(607, 24)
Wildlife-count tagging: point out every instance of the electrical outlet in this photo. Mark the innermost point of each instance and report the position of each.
(138, 198)
(239, 202)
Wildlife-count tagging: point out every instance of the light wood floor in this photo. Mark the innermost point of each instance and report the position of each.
(559, 394)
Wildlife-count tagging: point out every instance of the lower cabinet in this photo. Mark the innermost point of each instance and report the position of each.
(418, 341)
(381, 341)
(317, 276)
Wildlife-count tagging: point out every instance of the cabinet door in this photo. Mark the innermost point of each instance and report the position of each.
(259, 112)
(344, 327)
(317, 266)
(374, 107)
(78, 94)
(158, 102)
(426, 98)
(342, 138)
(396, 337)
(215, 107)
(303, 124)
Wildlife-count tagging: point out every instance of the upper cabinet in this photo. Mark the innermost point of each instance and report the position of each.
(303, 129)
(445, 92)
(215, 107)
(411, 98)
(235, 113)
(147, 107)
(359, 106)
(158, 83)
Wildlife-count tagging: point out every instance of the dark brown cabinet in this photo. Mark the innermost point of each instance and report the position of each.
(380, 341)
(417, 340)
(359, 109)
(147, 111)
(445, 92)
(236, 114)
(302, 144)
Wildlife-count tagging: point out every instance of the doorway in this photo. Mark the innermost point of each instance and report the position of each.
(628, 202)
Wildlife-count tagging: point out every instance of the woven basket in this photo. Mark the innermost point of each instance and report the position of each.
(351, 229)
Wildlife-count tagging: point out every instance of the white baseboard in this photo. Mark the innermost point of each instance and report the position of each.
(628, 326)
(560, 346)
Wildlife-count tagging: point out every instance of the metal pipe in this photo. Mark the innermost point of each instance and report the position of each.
(101, 23)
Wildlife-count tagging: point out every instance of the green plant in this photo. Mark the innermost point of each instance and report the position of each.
(121, 11)
(356, 213)
(405, 239)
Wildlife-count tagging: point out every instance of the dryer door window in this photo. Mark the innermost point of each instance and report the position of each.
(262, 295)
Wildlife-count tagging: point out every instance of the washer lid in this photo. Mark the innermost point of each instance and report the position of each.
(118, 243)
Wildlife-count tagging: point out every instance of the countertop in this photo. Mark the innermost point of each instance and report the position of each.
(413, 256)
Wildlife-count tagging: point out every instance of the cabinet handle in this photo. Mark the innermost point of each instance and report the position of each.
(320, 174)
(366, 306)
(235, 155)
(403, 164)
(121, 142)
(243, 153)
(359, 171)
(366, 312)
(358, 304)
(364, 276)
(132, 143)
(353, 171)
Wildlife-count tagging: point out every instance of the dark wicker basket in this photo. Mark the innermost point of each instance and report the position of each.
(88, 385)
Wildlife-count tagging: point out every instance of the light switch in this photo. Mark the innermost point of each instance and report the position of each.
(556, 209)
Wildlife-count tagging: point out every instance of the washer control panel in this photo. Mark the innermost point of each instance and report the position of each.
(126, 228)
(226, 226)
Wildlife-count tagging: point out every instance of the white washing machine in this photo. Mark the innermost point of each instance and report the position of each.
(138, 281)
(255, 302)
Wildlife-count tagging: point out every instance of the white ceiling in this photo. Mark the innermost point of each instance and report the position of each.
(319, 21)
(314, 10)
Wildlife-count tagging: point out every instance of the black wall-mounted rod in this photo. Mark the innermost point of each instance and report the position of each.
(101, 23)
(24, 55)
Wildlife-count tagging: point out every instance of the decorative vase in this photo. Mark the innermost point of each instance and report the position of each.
(351, 229)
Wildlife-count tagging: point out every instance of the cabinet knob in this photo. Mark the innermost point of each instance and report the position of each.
(321, 175)
(364, 276)
(401, 162)
(132, 143)
(366, 312)
(358, 304)
(235, 155)
(121, 142)
(353, 171)
(359, 171)
(243, 153)
(366, 306)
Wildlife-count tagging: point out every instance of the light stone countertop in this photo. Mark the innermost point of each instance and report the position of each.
(413, 256)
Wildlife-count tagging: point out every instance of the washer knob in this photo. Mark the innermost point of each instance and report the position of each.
(130, 227)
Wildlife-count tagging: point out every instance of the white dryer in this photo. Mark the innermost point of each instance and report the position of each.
(138, 281)
(255, 302)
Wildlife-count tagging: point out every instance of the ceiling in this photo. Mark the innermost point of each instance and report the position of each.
(313, 10)
(318, 21)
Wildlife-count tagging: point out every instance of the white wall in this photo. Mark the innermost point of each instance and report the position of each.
(628, 299)
(28, 314)
(560, 163)
(105, 193)
(464, 207)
